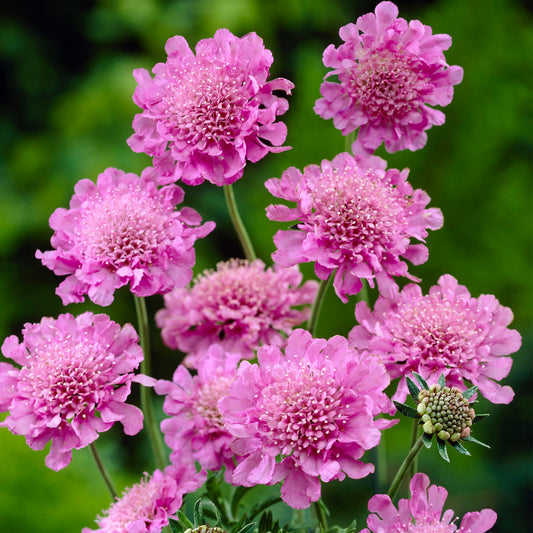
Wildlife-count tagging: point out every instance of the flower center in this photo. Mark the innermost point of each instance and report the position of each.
(207, 399)
(301, 409)
(205, 102)
(429, 526)
(386, 84)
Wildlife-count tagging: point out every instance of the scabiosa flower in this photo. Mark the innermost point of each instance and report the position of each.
(123, 230)
(75, 376)
(354, 218)
(423, 513)
(240, 305)
(204, 115)
(146, 506)
(390, 72)
(445, 332)
(312, 409)
(195, 429)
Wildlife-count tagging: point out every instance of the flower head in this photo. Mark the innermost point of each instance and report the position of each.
(390, 72)
(75, 376)
(305, 415)
(354, 218)
(123, 230)
(146, 506)
(423, 513)
(239, 305)
(444, 332)
(204, 115)
(195, 429)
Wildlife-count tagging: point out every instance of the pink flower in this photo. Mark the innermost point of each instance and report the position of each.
(446, 332)
(146, 506)
(423, 513)
(306, 415)
(240, 305)
(195, 429)
(75, 376)
(353, 218)
(204, 115)
(123, 230)
(390, 72)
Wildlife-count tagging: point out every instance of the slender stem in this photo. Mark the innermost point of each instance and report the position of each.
(246, 243)
(395, 485)
(154, 433)
(320, 513)
(348, 141)
(317, 304)
(414, 466)
(103, 471)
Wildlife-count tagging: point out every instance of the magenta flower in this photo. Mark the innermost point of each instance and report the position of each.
(390, 72)
(204, 115)
(423, 513)
(353, 218)
(123, 230)
(306, 415)
(195, 429)
(146, 506)
(240, 305)
(75, 376)
(446, 332)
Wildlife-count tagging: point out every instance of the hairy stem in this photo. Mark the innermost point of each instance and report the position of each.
(103, 471)
(244, 238)
(395, 485)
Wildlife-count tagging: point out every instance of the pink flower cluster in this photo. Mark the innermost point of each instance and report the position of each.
(205, 115)
(74, 378)
(389, 74)
(123, 230)
(353, 218)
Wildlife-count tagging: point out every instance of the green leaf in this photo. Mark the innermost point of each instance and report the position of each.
(175, 525)
(443, 452)
(237, 497)
(421, 381)
(205, 509)
(442, 381)
(472, 439)
(265, 522)
(470, 392)
(184, 522)
(427, 440)
(479, 417)
(246, 528)
(406, 410)
(460, 448)
(413, 389)
(260, 507)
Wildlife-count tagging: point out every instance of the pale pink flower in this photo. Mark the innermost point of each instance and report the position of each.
(445, 332)
(123, 230)
(75, 377)
(240, 305)
(422, 513)
(195, 429)
(146, 506)
(204, 115)
(305, 415)
(389, 72)
(353, 218)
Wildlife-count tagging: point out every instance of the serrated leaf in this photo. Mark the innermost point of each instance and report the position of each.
(442, 381)
(473, 439)
(421, 381)
(427, 440)
(265, 522)
(460, 448)
(443, 452)
(479, 417)
(413, 389)
(406, 410)
(468, 393)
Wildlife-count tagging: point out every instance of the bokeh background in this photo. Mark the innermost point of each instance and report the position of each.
(66, 111)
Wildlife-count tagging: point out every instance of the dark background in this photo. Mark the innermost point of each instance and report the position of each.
(66, 111)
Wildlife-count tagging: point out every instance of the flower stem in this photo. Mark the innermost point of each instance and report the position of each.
(154, 433)
(395, 485)
(414, 465)
(246, 243)
(103, 471)
(320, 512)
(317, 304)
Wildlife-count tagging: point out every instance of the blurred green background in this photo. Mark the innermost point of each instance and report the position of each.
(66, 112)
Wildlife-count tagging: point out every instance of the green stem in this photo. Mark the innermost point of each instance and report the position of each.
(348, 141)
(414, 466)
(317, 304)
(103, 471)
(154, 433)
(244, 238)
(320, 512)
(395, 485)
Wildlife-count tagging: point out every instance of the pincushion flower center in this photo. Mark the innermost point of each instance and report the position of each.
(429, 526)
(356, 212)
(205, 102)
(386, 84)
(207, 400)
(301, 409)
